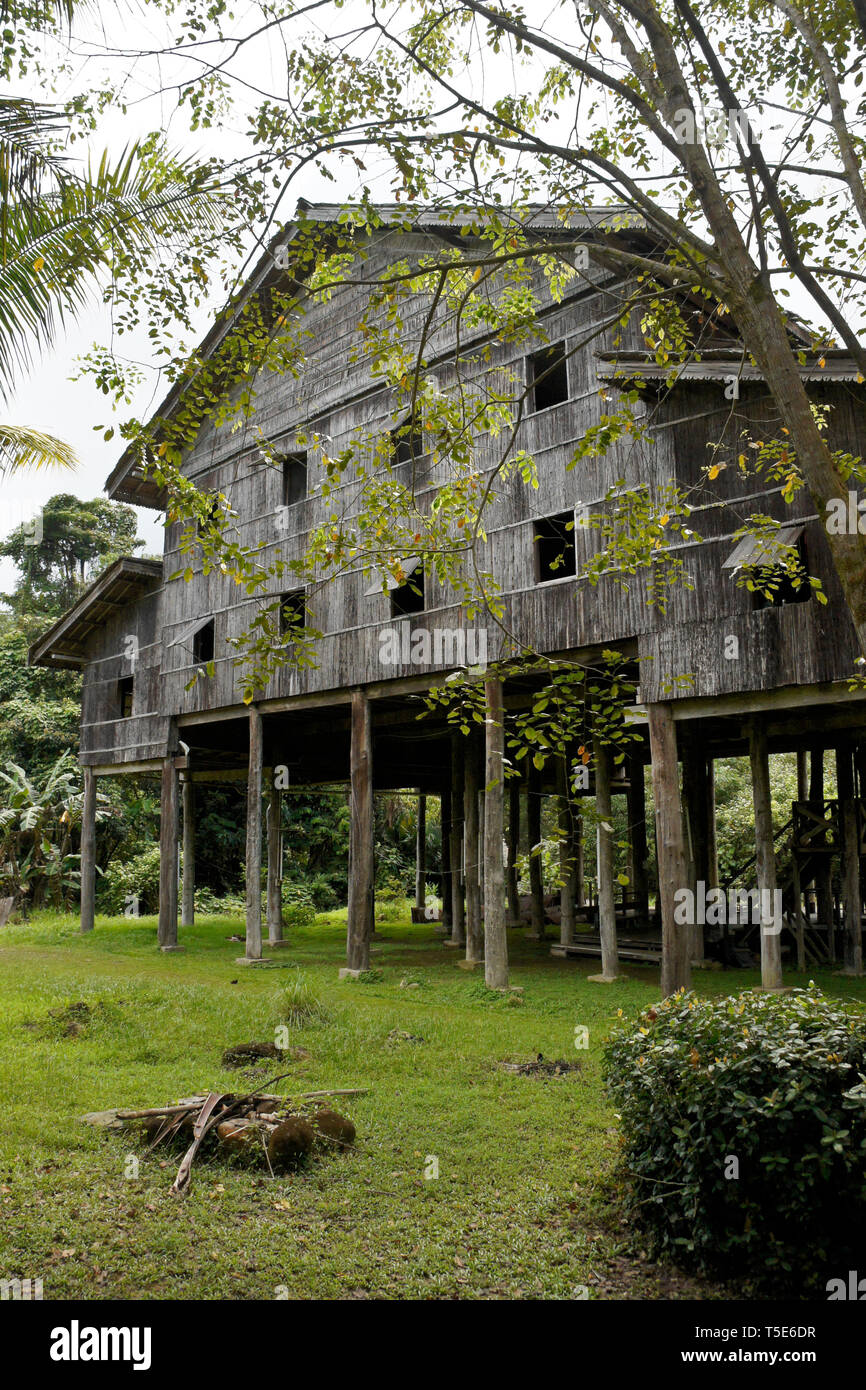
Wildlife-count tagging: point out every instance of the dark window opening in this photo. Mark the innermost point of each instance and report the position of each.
(410, 446)
(213, 515)
(124, 696)
(554, 548)
(203, 644)
(548, 377)
(408, 442)
(294, 479)
(776, 586)
(409, 597)
(293, 611)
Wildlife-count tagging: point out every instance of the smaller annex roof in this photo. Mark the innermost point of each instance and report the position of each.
(720, 364)
(764, 551)
(64, 644)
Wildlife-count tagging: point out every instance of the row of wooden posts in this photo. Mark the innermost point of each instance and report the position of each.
(470, 820)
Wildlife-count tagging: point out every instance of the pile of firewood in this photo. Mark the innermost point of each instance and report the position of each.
(276, 1131)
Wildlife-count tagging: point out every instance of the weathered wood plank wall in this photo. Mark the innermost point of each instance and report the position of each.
(336, 398)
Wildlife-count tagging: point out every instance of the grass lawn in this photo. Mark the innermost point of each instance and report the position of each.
(525, 1204)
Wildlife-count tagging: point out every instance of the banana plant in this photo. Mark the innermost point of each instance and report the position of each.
(40, 819)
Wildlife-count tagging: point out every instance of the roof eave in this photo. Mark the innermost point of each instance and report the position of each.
(56, 647)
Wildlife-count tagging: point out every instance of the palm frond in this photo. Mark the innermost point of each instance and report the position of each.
(21, 447)
(118, 212)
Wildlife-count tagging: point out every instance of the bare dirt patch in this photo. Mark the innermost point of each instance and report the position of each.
(541, 1066)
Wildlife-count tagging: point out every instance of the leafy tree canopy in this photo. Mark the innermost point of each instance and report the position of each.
(78, 540)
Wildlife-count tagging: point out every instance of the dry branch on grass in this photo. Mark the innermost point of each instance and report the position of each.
(278, 1130)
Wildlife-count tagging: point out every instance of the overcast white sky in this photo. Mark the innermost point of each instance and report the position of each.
(49, 400)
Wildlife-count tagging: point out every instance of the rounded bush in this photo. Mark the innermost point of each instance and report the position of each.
(299, 908)
(744, 1133)
(131, 886)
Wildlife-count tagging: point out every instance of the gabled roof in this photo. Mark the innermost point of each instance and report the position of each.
(127, 482)
(64, 644)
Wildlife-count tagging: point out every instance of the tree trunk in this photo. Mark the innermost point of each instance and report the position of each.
(765, 336)
(670, 847)
(750, 298)
(495, 936)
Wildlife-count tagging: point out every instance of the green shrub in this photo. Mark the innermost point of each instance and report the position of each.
(393, 907)
(300, 1006)
(209, 904)
(744, 1133)
(323, 893)
(131, 886)
(299, 909)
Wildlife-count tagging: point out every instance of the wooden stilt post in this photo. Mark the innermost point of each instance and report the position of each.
(537, 930)
(458, 919)
(579, 864)
(482, 867)
(802, 775)
(513, 851)
(765, 862)
(254, 838)
(710, 823)
(636, 807)
(604, 855)
(275, 865)
(187, 907)
(471, 780)
(88, 851)
(799, 918)
(446, 888)
(823, 885)
(566, 854)
(361, 883)
(670, 847)
(421, 854)
(168, 856)
(853, 930)
(695, 799)
(495, 936)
